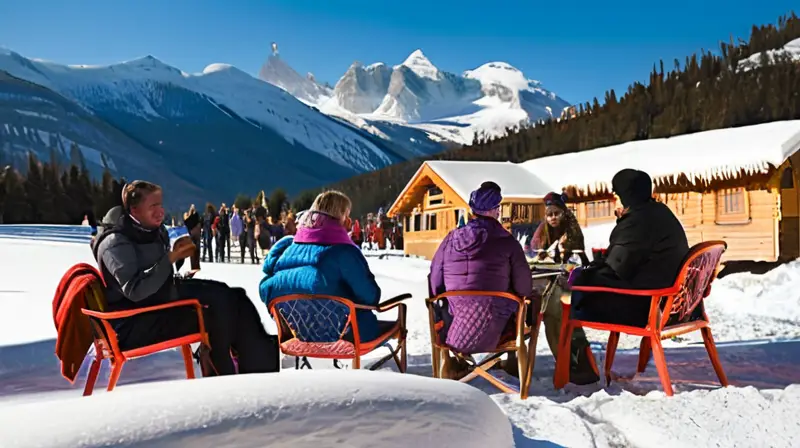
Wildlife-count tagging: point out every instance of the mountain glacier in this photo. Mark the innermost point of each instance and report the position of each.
(417, 95)
(211, 135)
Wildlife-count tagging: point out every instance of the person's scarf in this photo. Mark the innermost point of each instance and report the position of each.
(321, 228)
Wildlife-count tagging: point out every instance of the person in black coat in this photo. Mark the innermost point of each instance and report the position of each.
(646, 250)
(208, 233)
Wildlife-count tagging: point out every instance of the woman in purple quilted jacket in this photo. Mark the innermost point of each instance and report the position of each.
(481, 255)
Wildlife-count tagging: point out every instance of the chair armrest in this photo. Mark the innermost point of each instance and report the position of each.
(384, 306)
(134, 312)
(393, 302)
(628, 292)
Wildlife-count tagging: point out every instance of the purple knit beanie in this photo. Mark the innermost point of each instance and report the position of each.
(485, 199)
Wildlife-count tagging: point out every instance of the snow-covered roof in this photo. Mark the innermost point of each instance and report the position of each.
(703, 156)
(515, 181)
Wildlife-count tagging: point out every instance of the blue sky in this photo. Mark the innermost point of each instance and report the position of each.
(578, 49)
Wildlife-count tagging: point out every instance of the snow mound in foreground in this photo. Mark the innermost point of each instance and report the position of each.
(723, 417)
(299, 409)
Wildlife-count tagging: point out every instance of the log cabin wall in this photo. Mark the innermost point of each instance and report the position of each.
(748, 220)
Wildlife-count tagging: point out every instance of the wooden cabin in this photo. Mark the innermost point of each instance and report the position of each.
(738, 185)
(437, 197)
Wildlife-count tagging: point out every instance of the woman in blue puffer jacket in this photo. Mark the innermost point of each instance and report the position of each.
(322, 259)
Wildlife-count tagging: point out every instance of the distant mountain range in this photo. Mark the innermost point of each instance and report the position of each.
(417, 95)
(206, 136)
(211, 135)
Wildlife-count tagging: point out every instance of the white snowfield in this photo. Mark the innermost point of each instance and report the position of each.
(290, 409)
(755, 321)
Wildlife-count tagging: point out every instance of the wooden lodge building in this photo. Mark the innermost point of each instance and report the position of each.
(437, 197)
(739, 185)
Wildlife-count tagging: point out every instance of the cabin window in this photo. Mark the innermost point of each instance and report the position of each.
(733, 206)
(435, 196)
(417, 223)
(506, 211)
(430, 221)
(599, 209)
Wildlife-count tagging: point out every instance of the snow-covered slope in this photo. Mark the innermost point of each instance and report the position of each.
(790, 51)
(197, 122)
(447, 107)
(306, 89)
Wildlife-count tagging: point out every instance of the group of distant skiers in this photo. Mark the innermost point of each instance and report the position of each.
(254, 231)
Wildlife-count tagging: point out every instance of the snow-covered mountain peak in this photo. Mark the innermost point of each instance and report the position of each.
(501, 73)
(418, 63)
(375, 66)
(218, 67)
(305, 88)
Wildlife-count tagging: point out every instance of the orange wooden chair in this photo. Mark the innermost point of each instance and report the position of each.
(105, 338)
(318, 324)
(509, 342)
(681, 299)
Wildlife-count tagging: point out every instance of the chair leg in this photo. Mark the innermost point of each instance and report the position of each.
(116, 370)
(403, 341)
(435, 361)
(661, 365)
(188, 361)
(711, 348)
(357, 361)
(522, 368)
(525, 382)
(644, 354)
(91, 378)
(611, 350)
(561, 377)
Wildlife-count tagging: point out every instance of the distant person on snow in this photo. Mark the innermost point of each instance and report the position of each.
(135, 259)
(208, 232)
(237, 227)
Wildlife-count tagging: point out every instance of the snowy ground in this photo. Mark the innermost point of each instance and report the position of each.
(755, 319)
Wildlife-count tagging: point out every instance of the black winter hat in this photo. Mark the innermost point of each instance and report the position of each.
(633, 187)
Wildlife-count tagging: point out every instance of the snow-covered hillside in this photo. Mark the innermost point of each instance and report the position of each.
(446, 106)
(145, 113)
(790, 50)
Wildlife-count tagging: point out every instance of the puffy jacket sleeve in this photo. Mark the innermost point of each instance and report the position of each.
(521, 281)
(119, 258)
(436, 277)
(274, 255)
(628, 247)
(355, 272)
